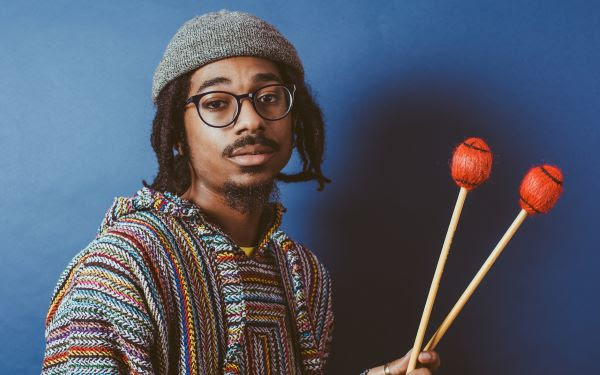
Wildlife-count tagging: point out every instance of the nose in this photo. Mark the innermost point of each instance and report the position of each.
(248, 120)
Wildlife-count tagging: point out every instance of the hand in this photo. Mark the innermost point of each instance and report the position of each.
(430, 361)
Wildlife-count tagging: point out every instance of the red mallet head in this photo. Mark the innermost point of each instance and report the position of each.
(471, 163)
(540, 189)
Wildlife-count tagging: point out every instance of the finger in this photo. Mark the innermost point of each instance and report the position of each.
(400, 365)
(430, 359)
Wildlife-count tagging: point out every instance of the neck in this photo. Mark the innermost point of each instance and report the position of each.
(242, 223)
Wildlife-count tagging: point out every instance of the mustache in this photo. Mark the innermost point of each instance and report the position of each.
(250, 140)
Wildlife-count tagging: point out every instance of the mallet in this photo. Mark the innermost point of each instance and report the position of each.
(471, 165)
(539, 191)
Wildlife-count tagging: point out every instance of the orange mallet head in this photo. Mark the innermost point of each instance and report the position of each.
(540, 189)
(471, 163)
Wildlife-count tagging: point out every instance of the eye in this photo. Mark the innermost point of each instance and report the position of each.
(214, 104)
(217, 102)
(269, 98)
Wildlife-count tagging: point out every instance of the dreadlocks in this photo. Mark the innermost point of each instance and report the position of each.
(168, 131)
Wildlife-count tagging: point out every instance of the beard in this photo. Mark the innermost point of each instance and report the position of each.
(250, 198)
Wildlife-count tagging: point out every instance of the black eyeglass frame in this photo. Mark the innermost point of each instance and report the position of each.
(251, 95)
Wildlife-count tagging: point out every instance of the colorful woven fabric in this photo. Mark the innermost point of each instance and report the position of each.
(268, 325)
(161, 290)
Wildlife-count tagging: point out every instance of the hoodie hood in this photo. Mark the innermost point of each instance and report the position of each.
(147, 199)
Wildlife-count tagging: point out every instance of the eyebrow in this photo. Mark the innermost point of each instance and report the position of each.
(260, 77)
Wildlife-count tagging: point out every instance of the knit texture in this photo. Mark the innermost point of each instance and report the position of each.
(218, 35)
(269, 332)
(161, 290)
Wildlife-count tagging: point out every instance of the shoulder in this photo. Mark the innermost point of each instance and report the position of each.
(98, 303)
(299, 250)
(315, 273)
(103, 271)
(145, 236)
(106, 253)
(311, 260)
(317, 280)
(119, 247)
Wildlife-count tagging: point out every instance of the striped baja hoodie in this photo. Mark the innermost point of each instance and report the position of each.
(159, 291)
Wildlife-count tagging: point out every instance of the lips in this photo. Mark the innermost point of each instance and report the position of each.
(252, 150)
(251, 155)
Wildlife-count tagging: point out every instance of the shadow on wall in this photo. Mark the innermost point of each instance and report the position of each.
(388, 218)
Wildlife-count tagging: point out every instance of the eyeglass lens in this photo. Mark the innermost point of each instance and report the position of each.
(220, 108)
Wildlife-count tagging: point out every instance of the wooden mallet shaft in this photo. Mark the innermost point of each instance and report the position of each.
(540, 189)
(436, 278)
(437, 336)
(471, 165)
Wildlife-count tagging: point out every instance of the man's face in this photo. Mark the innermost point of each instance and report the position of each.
(214, 156)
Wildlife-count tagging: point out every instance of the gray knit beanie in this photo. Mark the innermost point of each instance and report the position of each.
(217, 35)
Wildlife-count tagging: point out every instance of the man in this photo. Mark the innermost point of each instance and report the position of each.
(192, 274)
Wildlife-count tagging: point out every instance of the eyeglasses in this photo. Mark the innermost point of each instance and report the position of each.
(219, 109)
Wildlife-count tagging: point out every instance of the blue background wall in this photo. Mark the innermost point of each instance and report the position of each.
(400, 83)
